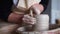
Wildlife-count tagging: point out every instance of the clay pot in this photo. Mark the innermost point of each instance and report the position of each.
(42, 22)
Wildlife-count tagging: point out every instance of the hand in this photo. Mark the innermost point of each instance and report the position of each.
(29, 20)
(37, 8)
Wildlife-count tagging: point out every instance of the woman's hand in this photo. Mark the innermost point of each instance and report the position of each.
(37, 8)
(29, 20)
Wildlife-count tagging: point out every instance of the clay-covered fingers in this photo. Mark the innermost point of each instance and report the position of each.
(29, 20)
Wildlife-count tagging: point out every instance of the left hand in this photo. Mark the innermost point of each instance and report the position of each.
(37, 8)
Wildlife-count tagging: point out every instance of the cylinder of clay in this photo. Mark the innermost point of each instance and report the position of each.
(42, 22)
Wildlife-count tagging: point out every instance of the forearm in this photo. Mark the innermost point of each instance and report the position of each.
(15, 18)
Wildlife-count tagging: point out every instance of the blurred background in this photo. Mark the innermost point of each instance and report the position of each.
(53, 10)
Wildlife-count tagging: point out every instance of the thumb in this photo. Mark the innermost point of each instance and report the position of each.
(37, 11)
(31, 13)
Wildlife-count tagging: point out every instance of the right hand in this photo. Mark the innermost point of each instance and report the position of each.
(29, 20)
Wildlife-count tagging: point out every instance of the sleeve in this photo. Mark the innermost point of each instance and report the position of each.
(4, 16)
(5, 9)
(44, 3)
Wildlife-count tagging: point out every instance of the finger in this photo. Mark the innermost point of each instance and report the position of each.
(29, 21)
(31, 12)
(32, 21)
(25, 20)
(26, 16)
(32, 18)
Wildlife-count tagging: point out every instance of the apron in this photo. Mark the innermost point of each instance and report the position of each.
(27, 3)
